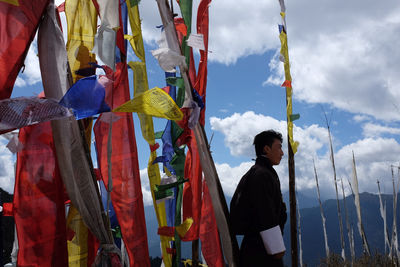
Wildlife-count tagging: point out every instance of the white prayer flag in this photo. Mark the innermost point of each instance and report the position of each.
(196, 41)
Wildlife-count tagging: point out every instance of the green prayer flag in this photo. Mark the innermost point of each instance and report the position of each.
(294, 117)
(158, 135)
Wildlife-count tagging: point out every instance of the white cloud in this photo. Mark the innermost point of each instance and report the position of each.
(239, 131)
(31, 74)
(230, 176)
(6, 167)
(338, 56)
(344, 58)
(371, 130)
(374, 156)
(361, 118)
(236, 29)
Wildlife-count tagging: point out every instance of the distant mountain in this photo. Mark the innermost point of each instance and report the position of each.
(312, 232)
(302, 200)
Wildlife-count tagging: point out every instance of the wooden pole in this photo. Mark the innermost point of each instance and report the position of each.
(195, 253)
(229, 244)
(292, 200)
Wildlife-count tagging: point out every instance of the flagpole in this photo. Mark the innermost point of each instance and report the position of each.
(230, 247)
(292, 145)
(292, 200)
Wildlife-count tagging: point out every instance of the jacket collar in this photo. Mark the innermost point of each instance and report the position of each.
(263, 160)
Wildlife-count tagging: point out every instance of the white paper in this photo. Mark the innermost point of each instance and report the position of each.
(109, 12)
(273, 241)
(15, 145)
(104, 45)
(196, 41)
(168, 179)
(169, 59)
(104, 41)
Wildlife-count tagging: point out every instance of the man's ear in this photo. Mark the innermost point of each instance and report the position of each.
(266, 150)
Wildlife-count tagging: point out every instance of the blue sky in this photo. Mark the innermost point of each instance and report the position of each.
(344, 61)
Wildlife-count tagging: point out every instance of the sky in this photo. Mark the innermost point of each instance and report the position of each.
(345, 63)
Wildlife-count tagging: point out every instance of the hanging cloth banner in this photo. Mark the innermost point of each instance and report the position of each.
(155, 102)
(210, 241)
(288, 79)
(168, 147)
(82, 245)
(22, 111)
(39, 201)
(141, 86)
(105, 39)
(208, 232)
(75, 166)
(191, 198)
(126, 194)
(180, 229)
(82, 26)
(86, 97)
(19, 20)
(168, 59)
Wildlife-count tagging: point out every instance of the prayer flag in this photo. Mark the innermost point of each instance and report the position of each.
(105, 39)
(39, 201)
(19, 20)
(22, 111)
(126, 192)
(87, 96)
(154, 102)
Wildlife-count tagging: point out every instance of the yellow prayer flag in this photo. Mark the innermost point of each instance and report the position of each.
(154, 102)
(184, 227)
(77, 247)
(82, 26)
(146, 122)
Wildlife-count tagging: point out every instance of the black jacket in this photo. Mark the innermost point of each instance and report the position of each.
(256, 206)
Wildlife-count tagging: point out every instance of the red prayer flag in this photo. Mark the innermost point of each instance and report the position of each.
(19, 20)
(8, 209)
(287, 84)
(126, 194)
(39, 209)
(192, 190)
(210, 242)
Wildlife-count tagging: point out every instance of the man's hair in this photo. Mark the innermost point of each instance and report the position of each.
(265, 138)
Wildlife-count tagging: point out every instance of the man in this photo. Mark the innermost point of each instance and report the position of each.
(257, 210)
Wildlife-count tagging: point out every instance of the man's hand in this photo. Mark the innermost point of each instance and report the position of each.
(279, 255)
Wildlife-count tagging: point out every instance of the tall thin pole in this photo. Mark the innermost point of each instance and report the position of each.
(299, 227)
(292, 145)
(336, 189)
(322, 214)
(292, 199)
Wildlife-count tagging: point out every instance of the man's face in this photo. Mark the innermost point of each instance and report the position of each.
(274, 153)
